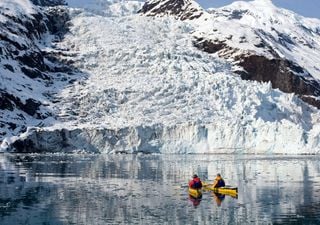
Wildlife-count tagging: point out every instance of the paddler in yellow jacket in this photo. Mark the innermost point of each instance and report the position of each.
(218, 182)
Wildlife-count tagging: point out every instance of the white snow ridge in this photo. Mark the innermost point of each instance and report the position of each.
(145, 88)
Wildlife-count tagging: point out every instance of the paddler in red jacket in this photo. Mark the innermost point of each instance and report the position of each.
(195, 182)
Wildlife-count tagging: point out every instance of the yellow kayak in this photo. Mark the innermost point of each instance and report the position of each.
(195, 193)
(232, 191)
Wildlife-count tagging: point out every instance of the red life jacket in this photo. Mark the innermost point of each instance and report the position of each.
(195, 183)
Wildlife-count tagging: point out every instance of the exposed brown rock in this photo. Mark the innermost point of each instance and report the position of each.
(209, 46)
(280, 73)
(311, 100)
(283, 74)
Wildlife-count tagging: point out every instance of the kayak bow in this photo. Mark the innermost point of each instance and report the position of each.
(227, 190)
(195, 193)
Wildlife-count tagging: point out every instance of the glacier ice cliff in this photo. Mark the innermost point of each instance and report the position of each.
(161, 81)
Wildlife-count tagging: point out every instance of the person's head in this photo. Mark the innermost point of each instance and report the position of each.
(195, 176)
(218, 175)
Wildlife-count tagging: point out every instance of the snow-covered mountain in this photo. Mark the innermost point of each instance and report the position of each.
(166, 76)
(268, 44)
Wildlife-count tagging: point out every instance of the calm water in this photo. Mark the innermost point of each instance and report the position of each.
(151, 189)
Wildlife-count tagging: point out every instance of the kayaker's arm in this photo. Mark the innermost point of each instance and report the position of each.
(204, 184)
(215, 183)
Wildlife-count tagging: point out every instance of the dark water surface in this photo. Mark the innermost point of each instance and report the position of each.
(151, 189)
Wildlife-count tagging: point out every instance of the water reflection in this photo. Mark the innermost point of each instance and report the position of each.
(151, 189)
(218, 198)
(195, 201)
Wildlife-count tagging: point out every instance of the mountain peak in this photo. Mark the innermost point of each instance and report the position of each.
(267, 2)
(180, 9)
(256, 4)
(263, 3)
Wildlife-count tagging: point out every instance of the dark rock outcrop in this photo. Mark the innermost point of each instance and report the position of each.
(180, 9)
(312, 100)
(10, 102)
(32, 59)
(58, 18)
(49, 2)
(209, 46)
(282, 74)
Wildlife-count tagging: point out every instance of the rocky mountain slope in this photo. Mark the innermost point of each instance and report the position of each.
(170, 78)
(27, 71)
(273, 45)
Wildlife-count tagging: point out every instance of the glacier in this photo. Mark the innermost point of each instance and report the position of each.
(142, 86)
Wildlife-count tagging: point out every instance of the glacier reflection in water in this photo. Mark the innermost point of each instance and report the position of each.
(151, 189)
